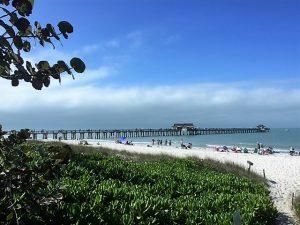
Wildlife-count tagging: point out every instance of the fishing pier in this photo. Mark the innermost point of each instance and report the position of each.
(176, 130)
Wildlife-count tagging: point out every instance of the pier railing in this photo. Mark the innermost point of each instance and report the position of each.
(117, 133)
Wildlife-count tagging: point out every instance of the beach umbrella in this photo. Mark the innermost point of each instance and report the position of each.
(121, 139)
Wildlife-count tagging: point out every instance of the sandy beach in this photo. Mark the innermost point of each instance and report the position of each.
(281, 170)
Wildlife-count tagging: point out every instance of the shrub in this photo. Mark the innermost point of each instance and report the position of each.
(46, 184)
(26, 171)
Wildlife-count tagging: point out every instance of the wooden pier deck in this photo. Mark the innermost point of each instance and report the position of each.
(117, 133)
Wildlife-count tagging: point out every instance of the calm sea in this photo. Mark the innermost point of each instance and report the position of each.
(280, 139)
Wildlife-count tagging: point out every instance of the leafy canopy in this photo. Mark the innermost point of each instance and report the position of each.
(17, 36)
(26, 173)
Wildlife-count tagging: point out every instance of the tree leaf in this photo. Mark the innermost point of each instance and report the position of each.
(29, 67)
(46, 81)
(3, 70)
(45, 32)
(43, 65)
(22, 24)
(65, 35)
(9, 216)
(31, 2)
(13, 18)
(64, 66)
(56, 69)
(22, 70)
(14, 82)
(49, 41)
(4, 42)
(65, 27)
(28, 31)
(42, 43)
(52, 31)
(13, 56)
(27, 78)
(24, 7)
(5, 2)
(37, 25)
(77, 64)
(55, 76)
(18, 42)
(37, 84)
(26, 46)
(8, 29)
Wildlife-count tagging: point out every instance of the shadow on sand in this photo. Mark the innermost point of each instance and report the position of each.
(272, 181)
(284, 219)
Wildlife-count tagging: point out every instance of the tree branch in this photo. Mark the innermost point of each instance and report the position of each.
(31, 36)
(7, 13)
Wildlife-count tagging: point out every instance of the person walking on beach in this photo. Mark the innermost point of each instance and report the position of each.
(292, 151)
(153, 141)
(166, 142)
(170, 142)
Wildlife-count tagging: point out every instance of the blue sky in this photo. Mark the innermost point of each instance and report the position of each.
(152, 63)
(186, 41)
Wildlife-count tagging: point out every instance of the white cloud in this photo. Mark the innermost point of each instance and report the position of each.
(132, 40)
(88, 49)
(101, 46)
(47, 53)
(95, 105)
(114, 43)
(135, 39)
(91, 76)
(172, 39)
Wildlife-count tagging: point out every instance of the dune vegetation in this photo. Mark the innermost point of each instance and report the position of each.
(42, 183)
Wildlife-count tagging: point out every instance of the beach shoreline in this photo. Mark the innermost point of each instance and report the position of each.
(281, 169)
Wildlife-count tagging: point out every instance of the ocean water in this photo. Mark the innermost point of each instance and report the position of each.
(280, 139)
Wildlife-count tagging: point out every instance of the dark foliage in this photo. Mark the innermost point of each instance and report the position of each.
(42, 183)
(25, 173)
(18, 35)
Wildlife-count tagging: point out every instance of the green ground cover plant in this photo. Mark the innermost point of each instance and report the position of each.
(178, 191)
(66, 188)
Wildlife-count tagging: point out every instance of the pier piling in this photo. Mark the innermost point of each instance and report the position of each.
(131, 133)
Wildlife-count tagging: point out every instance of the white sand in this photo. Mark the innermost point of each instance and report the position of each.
(281, 170)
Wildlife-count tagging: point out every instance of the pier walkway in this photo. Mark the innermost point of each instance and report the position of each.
(117, 133)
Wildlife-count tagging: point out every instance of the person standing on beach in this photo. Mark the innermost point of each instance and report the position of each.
(170, 142)
(153, 141)
(292, 151)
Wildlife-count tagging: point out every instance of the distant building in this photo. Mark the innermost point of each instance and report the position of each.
(262, 128)
(183, 126)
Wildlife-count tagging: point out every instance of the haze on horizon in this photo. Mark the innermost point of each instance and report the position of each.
(154, 63)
